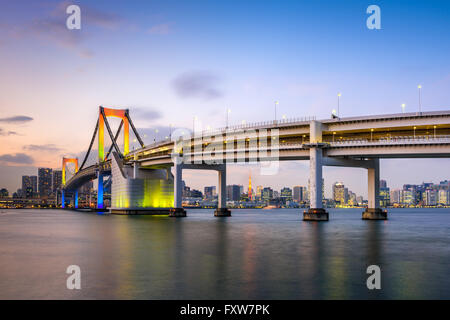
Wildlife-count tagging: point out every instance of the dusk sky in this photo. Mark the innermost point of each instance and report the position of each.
(169, 61)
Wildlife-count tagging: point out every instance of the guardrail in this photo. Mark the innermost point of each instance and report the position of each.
(393, 141)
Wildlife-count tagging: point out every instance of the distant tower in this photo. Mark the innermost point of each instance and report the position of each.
(250, 187)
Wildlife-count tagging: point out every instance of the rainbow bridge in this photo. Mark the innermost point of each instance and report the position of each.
(142, 181)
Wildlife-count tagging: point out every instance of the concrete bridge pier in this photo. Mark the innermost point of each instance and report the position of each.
(316, 212)
(373, 211)
(177, 210)
(222, 210)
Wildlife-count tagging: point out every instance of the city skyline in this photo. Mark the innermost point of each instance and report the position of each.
(186, 64)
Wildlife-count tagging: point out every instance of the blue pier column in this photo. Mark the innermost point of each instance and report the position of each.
(75, 201)
(63, 199)
(100, 192)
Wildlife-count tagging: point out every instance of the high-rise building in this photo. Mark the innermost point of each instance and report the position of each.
(286, 194)
(4, 193)
(45, 182)
(29, 186)
(259, 192)
(234, 192)
(267, 194)
(395, 196)
(429, 197)
(385, 194)
(57, 181)
(210, 192)
(444, 197)
(298, 194)
(340, 193)
(408, 197)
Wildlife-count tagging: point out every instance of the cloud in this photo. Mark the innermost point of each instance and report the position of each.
(43, 147)
(7, 133)
(147, 114)
(52, 27)
(161, 29)
(16, 119)
(197, 84)
(18, 158)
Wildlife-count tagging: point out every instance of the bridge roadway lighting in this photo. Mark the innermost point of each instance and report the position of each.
(415, 132)
(339, 97)
(276, 103)
(228, 112)
(403, 107)
(434, 127)
(334, 133)
(303, 138)
(371, 134)
(420, 98)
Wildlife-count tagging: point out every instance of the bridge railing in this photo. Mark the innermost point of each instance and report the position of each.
(255, 125)
(393, 140)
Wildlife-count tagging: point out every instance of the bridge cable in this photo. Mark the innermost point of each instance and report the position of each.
(134, 129)
(115, 138)
(111, 134)
(90, 147)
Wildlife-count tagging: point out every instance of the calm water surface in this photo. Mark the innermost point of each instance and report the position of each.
(255, 254)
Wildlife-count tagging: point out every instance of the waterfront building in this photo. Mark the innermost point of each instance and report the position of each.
(45, 182)
(233, 192)
(210, 192)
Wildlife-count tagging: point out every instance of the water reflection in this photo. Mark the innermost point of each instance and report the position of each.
(253, 255)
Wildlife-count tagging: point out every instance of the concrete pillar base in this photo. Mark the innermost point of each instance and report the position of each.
(374, 214)
(222, 212)
(177, 213)
(318, 214)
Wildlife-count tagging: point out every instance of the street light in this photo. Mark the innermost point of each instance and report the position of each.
(434, 127)
(371, 134)
(334, 133)
(403, 107)
(276, 103)
(228, 112)
(420, 98)
(339, 97)
(415, 132)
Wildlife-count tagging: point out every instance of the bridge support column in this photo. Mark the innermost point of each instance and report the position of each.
(373, 211)
(63, 204)
(222, 210)
(75, 200)
(100, 192)
(315, 211)
(177, 210)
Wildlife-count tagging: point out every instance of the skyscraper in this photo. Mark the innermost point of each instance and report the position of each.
(298, 193)
(57, 181)
(233, 192)
(210, 192)
(286, 194)
(339, 193)
(45, 182)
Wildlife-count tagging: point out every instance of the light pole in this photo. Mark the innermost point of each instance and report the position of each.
(334, 133)
(228, 112)
(434, 127)
(193, 125)
(415, 132)
(339, 97)
(403, 107)
(420, 98)
(371, 134)
(276, 103)
(170, 131)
